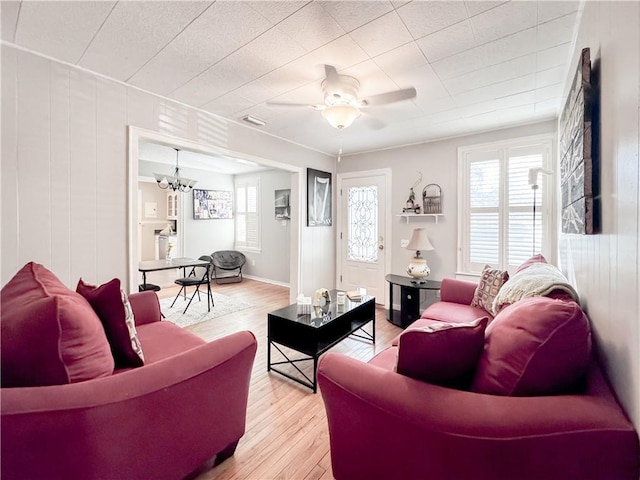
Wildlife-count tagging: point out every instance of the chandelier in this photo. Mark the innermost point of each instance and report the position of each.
(175, 181)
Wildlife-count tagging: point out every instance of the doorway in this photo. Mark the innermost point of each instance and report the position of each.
(137, 135)
(364, 230)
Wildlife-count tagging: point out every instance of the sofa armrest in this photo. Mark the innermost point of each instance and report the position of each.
(457, 291)
(145, 306)
(123, 426)
(386, 425)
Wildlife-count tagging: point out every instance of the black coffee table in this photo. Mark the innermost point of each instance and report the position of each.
(315, 333)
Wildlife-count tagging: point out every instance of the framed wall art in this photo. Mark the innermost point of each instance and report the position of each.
(577, 162)
(212, 204)
(318, 198)
(283, 209)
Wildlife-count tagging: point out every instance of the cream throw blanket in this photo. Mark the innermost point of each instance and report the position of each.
(537, 280)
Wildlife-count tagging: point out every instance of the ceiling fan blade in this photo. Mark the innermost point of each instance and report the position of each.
(332, 75)
(389, 97)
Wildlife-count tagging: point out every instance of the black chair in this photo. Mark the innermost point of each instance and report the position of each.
(197, 277)
(227, 264)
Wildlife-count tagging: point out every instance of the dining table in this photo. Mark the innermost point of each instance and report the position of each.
(157, 265)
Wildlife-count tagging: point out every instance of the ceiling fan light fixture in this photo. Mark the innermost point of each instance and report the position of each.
(340, 116)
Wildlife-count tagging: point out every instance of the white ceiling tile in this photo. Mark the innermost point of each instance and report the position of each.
(274, 11)
(9, 14)
(497, 90)
(311, 27)
(269, 51)
(200, 45)
(504, 20)
(227, 104)
(423, 18)
(498, 51)
(341, 53)
(500, 72)
(548, 10)
(556, 32)
(434, 105)
(552, 76)
(449, 41)
(425, 81)
(382, 35)
(290, 76)
(204, 88)
(399, 3)
(46, 27)
(255, 91)
(401, 60)
(553, 57)
(134, 33)
(476, 7)
(353, 14)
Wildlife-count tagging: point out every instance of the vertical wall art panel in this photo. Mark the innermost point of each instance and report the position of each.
(576, 153)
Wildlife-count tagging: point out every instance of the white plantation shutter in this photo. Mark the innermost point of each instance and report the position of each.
(247, 214)
(496, 204)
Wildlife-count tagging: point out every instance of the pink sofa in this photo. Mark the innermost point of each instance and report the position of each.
(384, 425)
(184, 408)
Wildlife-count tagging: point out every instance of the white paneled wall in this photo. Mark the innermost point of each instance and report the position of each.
(605, 267)
(64, 168)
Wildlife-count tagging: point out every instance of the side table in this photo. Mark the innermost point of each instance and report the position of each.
(409, 298)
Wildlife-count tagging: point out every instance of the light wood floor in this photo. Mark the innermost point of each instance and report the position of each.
(286, 435)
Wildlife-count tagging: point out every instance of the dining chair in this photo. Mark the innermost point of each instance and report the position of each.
(197, 277)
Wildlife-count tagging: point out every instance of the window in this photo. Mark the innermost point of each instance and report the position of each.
(496, 221)
(247, 214)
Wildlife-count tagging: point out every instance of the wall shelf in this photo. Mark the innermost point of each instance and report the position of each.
(408, 216)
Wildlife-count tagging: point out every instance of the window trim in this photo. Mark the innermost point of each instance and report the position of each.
(549, 213)
(244, 182)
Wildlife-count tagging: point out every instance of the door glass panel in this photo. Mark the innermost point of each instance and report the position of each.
(362, 220)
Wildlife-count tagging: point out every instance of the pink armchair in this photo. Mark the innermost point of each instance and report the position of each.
(185, 407)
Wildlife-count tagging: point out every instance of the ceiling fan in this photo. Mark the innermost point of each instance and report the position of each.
(341, 103)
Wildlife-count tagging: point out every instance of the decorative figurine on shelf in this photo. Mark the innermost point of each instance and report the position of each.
(411, 205)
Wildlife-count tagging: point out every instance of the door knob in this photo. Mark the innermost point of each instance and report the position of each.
(380, 247)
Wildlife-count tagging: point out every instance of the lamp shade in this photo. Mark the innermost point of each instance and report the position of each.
(419, 240)
(340, 116)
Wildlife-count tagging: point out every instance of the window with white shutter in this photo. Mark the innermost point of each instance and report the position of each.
(247, 214)
(496, 223)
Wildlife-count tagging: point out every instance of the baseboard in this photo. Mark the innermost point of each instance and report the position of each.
(266, 280)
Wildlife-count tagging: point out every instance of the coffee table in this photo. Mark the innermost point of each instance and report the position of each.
(313, 334)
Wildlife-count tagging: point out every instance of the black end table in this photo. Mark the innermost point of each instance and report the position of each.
(409, 298)
(315, 333)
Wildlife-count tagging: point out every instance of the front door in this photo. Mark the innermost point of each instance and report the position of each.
(362, 235)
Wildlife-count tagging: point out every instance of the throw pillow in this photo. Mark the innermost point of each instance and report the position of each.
(441, 353)
(491, 281)
(49, 334)
(113, 308)
(537, 346)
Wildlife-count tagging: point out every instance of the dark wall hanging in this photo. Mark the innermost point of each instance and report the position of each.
(577, 159)
(318, 198)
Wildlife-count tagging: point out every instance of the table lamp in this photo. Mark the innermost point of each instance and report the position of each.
(418, 267)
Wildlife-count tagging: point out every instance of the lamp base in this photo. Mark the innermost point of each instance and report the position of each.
(418, 268)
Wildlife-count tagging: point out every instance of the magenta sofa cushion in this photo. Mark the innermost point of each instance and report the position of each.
(50, 335)
(537, 346)
(441, 353)
(113, 309)
(454, 312)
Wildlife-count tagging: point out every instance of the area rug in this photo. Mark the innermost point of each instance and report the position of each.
(197, 311)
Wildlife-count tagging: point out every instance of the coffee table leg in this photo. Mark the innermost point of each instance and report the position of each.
(268, 354)
(315, 371)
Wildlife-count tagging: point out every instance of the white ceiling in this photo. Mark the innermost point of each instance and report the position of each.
(476, 65)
